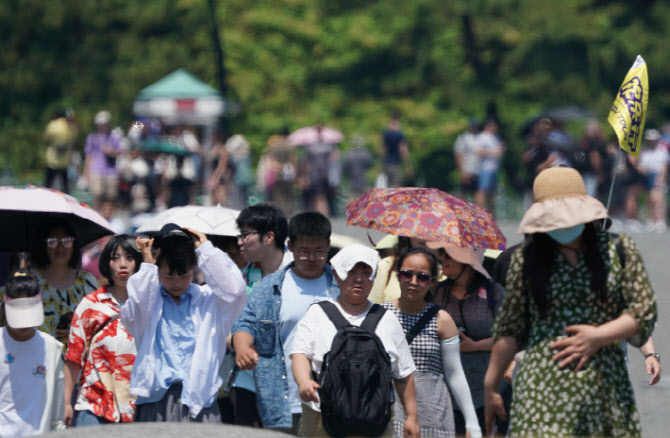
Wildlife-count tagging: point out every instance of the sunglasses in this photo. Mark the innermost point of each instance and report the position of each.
(422, 278)
(65, 242)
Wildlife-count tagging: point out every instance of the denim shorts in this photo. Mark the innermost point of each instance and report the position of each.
(487, 180)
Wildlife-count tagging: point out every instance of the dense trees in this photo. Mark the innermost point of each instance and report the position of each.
(347, 63)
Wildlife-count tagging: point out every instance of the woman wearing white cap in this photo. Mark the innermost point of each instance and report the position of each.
(31, 371)
(472, 300)
(354, 268)
(568, 301)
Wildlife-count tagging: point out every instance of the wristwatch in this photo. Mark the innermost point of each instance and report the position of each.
(656, 355)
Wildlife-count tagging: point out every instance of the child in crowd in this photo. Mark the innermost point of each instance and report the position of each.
(179, 327)
(31, 371)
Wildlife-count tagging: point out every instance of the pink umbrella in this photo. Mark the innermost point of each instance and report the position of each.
(315, 134)
(23, 210)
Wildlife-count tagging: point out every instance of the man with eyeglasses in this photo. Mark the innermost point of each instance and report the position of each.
(264, 332)
(263, 230)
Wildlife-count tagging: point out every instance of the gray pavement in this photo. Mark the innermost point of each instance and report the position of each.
(165, 430)
(652, 401)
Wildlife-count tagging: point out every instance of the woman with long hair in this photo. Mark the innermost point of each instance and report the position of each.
(55, 262)
(568, 302)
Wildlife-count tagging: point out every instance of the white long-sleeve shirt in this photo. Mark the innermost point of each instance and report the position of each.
(214, 308)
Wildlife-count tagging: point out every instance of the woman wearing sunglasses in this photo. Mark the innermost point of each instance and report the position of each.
(472, 300)
(55, 260)
(434, 344)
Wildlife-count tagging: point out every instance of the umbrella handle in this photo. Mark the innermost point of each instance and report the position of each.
(372, 242)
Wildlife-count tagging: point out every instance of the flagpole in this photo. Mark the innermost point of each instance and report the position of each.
(614, 169)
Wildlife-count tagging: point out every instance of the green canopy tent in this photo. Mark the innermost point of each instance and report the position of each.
(181, 98)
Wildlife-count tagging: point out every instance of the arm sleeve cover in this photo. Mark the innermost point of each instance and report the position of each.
(453, 372)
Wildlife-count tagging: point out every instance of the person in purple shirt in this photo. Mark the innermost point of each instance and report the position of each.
(102, 148)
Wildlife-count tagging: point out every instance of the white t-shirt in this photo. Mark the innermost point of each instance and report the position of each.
(489, 143)
(315, 334)
(655, 160)
(23, 385)
(466, 146)
(297, 294)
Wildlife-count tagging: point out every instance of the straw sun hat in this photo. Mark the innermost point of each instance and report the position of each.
(560, 202)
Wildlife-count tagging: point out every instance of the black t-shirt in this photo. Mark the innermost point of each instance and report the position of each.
(392, 140)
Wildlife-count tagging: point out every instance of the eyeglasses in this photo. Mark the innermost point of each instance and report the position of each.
(65, 242)
(245, 234)
(422, 278)
(305, 255)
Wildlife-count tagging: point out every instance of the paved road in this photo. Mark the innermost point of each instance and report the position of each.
(653, 401)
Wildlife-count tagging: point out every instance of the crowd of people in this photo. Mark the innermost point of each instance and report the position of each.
(151, 166)
(288, 338)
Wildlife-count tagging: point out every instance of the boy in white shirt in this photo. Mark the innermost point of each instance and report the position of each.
(31, 371)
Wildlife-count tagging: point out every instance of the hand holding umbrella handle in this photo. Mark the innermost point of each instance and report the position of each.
(144, 245)
(198, 237)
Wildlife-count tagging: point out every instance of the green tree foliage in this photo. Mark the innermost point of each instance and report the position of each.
(346, 63)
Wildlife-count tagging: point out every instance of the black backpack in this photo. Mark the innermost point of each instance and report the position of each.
(356, 393)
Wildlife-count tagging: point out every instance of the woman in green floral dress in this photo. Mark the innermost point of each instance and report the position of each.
(568, 301)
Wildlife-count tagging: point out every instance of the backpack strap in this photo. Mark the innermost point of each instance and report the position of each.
(333, 313)
(373, 317)
(618, 244)
(421, 323)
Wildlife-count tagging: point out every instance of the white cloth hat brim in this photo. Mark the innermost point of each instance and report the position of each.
(554, 214)
(24, 312)
(345, 260)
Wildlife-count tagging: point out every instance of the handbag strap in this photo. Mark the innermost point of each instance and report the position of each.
(421, 323)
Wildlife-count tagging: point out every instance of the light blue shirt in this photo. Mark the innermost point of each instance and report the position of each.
(297, 295)
(174, 346)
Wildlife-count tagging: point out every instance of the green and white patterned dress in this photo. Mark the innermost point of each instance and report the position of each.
(597, 400)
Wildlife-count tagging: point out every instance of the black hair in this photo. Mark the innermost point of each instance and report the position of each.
(404, 243)
(432, 261)
(22, 285)
(310, 225)
(538, 263)
(19, 285)
(39, 255)
(122, 241)
(178, 251)
(264, 218)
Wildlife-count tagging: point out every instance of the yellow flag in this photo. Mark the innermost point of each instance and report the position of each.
(629, 110)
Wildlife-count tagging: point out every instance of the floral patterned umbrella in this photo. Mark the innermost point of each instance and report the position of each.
(428, 214)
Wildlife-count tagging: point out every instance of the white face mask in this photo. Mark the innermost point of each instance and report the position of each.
(566, 235)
